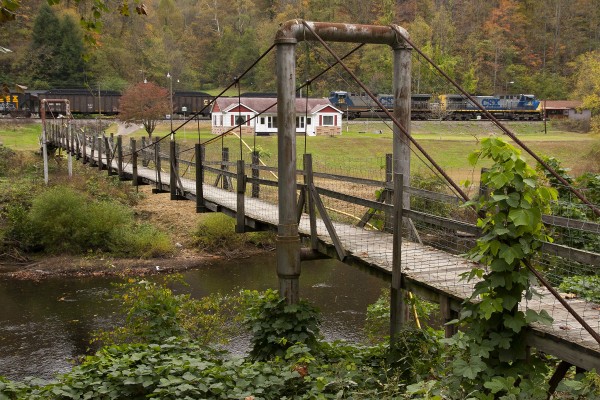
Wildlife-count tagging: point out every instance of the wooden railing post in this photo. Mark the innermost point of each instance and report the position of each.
(84, 147)
(93, 150)
(225, 167)
(120, 158)
(255, 174)
(173, 169)
(100, 148)
(241, 194)
(308, 181)
(108, 146)
(199, 150)
(387, 194)
(71, 152)
(157, 162)
(134, 161)
(144, 151)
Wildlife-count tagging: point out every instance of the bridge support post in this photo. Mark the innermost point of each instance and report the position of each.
(398, 307)
(402, 88)
(199, 149)
(134, 161)
(288, 241)
(241, 194)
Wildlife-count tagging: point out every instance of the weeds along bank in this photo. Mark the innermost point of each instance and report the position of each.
(92, 217)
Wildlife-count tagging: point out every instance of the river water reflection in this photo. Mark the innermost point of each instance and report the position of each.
(45, 324)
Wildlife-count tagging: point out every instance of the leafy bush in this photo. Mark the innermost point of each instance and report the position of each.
(154, 313)
(63, 220)
(276, 325)
(66, 221)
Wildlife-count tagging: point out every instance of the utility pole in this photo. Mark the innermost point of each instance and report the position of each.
(170, 77)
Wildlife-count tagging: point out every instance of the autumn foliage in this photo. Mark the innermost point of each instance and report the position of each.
(145, 103)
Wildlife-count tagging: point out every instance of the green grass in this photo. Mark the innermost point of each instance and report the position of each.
(360, 150)
(22, 135)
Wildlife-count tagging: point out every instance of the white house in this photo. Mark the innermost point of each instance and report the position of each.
(321, 119)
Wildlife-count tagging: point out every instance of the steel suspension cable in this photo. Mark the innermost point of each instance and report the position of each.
(504, 129)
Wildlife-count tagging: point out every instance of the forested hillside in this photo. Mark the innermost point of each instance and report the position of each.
(489, 46)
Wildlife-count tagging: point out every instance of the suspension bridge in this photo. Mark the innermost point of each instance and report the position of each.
(318, 211)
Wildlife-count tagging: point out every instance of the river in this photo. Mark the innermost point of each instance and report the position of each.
(46, 324)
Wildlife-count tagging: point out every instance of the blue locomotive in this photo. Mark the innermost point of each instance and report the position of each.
(446, 106)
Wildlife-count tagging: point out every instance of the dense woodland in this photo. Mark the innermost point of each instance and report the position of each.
(547, 47)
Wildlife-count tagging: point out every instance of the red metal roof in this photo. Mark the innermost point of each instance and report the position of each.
(260, 104)
(561, 104)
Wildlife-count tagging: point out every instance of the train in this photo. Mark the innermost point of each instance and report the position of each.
(84, 102)
(455, 107)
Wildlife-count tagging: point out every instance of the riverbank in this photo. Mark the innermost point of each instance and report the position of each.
(177, 218)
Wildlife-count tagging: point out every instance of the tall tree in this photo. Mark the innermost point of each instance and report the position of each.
(70, 54)
(45, 39)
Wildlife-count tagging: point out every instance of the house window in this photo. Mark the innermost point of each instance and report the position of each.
(299, 122)
(220, 120)
(309, 121)
(272, 122)
(215, 120)
(240, 120)
(262, 120)
(327, 120)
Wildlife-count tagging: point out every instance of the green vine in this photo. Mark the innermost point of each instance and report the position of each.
(510, 216)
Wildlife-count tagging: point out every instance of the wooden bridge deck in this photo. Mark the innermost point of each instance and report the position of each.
(431, 273)
(428, 272)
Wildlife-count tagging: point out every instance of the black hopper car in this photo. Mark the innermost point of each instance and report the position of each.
(86, 102)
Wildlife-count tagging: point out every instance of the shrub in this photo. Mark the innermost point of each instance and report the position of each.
(216, 233)
(144, 241)
(66, 221)
(63, 220)
(154, 313)
(276, 325)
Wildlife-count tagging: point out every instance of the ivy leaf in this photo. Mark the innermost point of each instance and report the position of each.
(520, 217)
(542, 317)
(516, 322)
(473, 157)
(469, 369)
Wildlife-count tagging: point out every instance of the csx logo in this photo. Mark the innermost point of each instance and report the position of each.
(490, 102)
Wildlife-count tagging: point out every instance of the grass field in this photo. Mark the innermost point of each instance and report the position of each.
(361, 149)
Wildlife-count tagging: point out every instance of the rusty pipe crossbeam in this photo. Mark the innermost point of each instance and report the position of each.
(297, 30)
